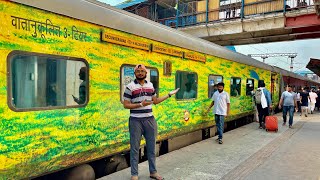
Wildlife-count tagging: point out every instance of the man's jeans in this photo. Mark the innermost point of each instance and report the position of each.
(220, 124)
(285, 111)
(148, 128)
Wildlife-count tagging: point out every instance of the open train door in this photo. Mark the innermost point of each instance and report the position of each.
(273, 81)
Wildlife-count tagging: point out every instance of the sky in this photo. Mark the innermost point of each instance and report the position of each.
(112, 2)
(305, 49)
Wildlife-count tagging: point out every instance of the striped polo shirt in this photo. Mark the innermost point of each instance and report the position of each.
(135, 93)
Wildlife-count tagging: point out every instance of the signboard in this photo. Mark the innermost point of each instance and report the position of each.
(116, 39)
(165, 50)
(195, 57)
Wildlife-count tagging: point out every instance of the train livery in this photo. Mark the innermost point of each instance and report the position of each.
(64, 66)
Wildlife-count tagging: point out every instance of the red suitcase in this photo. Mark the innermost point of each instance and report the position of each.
(271, 123)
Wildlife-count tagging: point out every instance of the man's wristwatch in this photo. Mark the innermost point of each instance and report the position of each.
(169, 95)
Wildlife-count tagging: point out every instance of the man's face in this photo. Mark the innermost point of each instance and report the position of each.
(220, 88)
(289, 89)
(82, 75)
(140, 74)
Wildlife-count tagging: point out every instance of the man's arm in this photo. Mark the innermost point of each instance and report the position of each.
(269, 100)
(128, 105)
(228, 109)
(280, 103)
(160, 99)
(212, 103)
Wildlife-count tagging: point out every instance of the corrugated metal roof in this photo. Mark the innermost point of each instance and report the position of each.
(314, 66)
(129, 3)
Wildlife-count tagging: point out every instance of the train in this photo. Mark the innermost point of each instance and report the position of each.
(64, 67)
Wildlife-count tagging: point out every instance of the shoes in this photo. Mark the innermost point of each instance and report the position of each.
(260, 127)
(156, 176)
(134, 178)
(284, 123)
(305, 115)
(311, 112)
(290, 126)
(219, 141)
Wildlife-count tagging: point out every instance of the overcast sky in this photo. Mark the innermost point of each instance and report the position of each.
(306, 49)
(112, 2)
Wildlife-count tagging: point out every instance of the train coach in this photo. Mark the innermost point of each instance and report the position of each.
(64, 66)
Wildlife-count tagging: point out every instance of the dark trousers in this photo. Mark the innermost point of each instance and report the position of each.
(148, 128)
(299, 106)
(262, 112)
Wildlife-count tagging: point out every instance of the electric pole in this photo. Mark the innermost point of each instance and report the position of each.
(265, 56)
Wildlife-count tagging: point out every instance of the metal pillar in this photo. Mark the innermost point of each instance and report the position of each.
(177, 14)
(207, 12)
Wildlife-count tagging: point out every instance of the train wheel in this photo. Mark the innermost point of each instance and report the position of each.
(276, 130)
(267, 130)
(116, 163)
(83, 171)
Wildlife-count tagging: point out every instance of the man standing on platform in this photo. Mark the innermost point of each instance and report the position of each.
(221, 102)
(264, 103)
(288, 101)
(139, 96)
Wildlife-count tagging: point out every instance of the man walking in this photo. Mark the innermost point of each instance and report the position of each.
(221, 102)
(304, 96)
(139, 96)
(313, 100)
(288, 101)
(264, 103)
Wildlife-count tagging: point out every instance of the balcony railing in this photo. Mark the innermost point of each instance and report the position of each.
(202, 12)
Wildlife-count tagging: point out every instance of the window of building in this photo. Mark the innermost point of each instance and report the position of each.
(127, 75)
(235, 86)
(188, 84)
(212, 84)
(249, 87)
(40, 81)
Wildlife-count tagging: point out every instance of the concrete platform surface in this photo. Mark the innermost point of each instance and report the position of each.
(247, 153)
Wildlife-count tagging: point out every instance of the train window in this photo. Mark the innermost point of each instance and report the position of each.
(40, 81)
(127, 75)
(235, 86)
(187, 82)
(212, 84)
(167, 68)
(249, 86)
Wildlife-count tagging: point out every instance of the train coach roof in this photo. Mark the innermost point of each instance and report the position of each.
(291, 74)
(102, 14)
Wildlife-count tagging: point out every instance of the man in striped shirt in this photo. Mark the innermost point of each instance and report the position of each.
(139, 96)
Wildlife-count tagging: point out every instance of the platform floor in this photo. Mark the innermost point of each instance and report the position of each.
(247, 153)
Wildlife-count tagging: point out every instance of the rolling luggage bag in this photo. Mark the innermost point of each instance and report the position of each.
(271, 123)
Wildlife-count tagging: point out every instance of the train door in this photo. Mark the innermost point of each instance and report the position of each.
(273, 81)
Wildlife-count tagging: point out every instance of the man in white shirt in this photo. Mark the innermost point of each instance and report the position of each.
(313, 99)
(221, 102)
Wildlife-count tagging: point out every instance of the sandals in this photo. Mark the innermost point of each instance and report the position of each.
(156, 176)
(134, 178)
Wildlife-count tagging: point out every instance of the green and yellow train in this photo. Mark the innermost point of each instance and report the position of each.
(46, 126)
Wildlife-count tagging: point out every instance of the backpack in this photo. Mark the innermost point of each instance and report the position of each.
(258, 96)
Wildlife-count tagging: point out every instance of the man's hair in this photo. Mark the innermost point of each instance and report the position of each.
(220, 84)
(261, 83)
(83, 69)
(289, 85)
